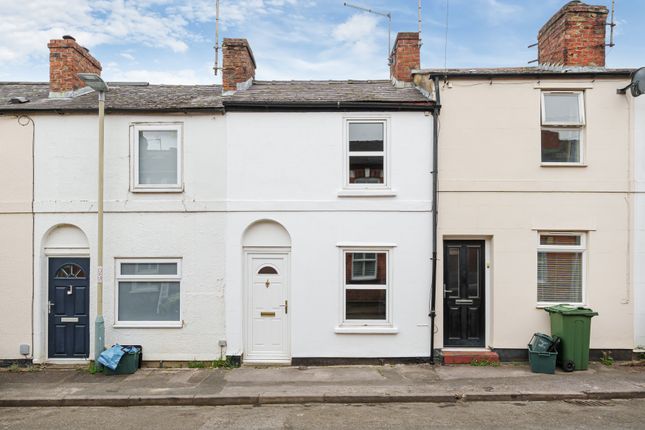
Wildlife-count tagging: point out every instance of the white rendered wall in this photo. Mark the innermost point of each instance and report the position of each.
(288, 167)
(639, 221)
(188, 225)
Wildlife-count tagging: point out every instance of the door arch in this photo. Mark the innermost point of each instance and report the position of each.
(267, 249)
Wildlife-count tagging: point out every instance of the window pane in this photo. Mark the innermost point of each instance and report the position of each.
(158, 157)
(367, 268)
(546, 239)
(148, 301)
(143, 269)
(562, 108)
(365, 304)
(366, 170)
(474, 263)
(365, 136)
(561, 146)
(453, 274)
(560, 277)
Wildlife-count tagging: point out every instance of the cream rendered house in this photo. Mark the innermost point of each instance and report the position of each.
(534, 196)
(16, 235)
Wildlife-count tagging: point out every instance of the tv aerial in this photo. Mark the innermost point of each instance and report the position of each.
(387, 15)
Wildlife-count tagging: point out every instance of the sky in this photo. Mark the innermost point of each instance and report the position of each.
(171, 41)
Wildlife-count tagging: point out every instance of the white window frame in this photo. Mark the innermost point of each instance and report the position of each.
(135, 186)
(387, 322)
(582, 249)
(580, 126)
(385, 153)
(147, 278)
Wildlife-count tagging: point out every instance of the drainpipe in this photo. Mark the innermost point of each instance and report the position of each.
(435, 173)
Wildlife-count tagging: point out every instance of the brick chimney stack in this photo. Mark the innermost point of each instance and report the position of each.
(66, 59)
(238, 64)
(405, 57)
(574, 36)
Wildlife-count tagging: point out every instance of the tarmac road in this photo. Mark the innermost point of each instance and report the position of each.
(574, 414)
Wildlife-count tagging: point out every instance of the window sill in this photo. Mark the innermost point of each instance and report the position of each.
(365, 330)
(151, 324)
(563, 165)
(158, 190)
(546, 305)
(367, 193)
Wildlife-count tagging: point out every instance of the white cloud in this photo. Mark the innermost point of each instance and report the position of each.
(169, 77)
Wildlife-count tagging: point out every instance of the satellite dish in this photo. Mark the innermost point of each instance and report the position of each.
(638, 82)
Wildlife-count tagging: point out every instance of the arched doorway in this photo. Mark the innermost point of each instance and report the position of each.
(67, 293)
(267, 249)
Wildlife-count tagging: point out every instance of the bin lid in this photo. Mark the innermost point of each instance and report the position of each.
(571, 310)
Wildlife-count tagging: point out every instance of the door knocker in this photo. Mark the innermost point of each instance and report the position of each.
(267, 283)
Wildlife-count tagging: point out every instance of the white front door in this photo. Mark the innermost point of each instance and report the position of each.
(268, 307)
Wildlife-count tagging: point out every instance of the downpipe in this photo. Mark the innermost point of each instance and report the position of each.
(435, 172)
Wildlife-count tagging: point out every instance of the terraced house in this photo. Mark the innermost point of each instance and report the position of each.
(326, 221)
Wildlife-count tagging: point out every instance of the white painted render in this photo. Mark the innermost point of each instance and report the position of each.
(188, 225)
(288, 168)
(16, 224)
(638, 124)
(492, 186)
(239, 169)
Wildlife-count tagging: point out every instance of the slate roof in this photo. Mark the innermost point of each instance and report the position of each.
(528, 71)
(322, 92)
(130, 97)
(121, 97)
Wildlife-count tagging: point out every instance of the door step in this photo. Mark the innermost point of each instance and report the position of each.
(468, 357)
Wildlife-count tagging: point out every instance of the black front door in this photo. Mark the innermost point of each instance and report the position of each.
(68, 307)
(463, 293)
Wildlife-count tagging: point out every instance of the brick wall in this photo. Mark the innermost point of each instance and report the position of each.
(574, 36)
(406, 56)
(238, 63)
(66, 59)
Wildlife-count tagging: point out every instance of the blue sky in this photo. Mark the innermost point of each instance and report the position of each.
(171, 41)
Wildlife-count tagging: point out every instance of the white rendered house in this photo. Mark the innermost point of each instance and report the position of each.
(297, 230)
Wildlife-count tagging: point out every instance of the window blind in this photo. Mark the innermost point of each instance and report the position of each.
(560, 277)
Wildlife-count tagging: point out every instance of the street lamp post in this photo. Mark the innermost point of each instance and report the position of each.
(95, 82)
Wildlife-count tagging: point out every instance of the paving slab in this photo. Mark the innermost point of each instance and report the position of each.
(334, 384)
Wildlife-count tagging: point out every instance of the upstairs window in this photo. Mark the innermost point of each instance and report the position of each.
(561, 268)
(157, 157)
(563, 123)
(366, 154)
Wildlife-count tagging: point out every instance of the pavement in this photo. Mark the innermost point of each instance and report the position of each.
(307, 385)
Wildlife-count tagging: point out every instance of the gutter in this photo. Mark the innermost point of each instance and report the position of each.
(325, 106)
(536, 74)
(27, 111)
(435, 172)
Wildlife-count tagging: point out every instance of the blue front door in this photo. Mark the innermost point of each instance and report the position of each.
(68, 307)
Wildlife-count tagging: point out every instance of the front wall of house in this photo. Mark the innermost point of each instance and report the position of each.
(639, 220)
(188, 226)
(15, 235)
(493, 187)
(288, 168)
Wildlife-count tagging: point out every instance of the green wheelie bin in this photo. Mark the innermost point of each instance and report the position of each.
(572, 324)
